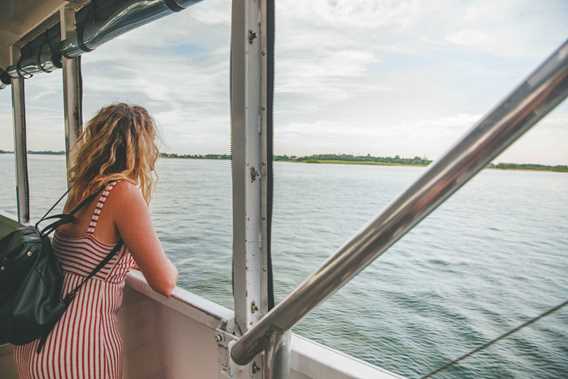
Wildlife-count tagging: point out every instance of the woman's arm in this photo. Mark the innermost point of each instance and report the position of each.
(132, 219)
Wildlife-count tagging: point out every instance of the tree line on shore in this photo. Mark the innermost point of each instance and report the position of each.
(343, 158)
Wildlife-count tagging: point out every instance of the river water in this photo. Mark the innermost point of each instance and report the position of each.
(487, 260)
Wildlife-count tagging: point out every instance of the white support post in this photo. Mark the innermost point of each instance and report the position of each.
(249, 155)
(72, 91)
(20, 143)
(255, 223)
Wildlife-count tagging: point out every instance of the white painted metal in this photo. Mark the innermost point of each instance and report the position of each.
(310, 359)
(179, 335)
(169, 337)
(254, 204)
(20, 144)
(71, 85)
(255, 197)
(239, 177)
(248, 117)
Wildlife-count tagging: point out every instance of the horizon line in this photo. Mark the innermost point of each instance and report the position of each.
(181, 155)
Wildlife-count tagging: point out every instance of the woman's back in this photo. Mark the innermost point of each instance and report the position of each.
(81, 246)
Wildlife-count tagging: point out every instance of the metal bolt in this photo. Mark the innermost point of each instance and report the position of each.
(253, 307)
(219, 338)
(253, 174)
(29, 253)
(251, 36)
(255, 368)
(1, 268)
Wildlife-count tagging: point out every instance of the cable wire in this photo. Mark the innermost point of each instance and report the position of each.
(491, 342)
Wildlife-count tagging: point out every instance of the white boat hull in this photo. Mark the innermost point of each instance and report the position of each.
(176, 338)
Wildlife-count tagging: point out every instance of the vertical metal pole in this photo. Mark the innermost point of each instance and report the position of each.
(255, 205)
(72, 87)
(20, 143)
(238, 148)
(248, 119)
(277, 356)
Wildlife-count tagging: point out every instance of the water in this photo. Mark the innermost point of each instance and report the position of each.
(493, 256)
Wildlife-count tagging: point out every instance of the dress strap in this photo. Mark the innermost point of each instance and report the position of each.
(99, 207)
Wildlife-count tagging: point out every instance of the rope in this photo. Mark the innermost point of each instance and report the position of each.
(491, 342)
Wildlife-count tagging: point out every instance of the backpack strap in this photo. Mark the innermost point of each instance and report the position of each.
(53, 206)
(63, 218)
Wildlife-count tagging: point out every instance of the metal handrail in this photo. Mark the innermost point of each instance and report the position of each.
(545, 88)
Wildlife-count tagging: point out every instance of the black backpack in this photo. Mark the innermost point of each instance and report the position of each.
(31, 280)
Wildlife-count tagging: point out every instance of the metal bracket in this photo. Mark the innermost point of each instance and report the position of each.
(223, 336)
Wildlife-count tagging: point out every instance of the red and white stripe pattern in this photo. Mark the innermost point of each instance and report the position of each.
(85, 343)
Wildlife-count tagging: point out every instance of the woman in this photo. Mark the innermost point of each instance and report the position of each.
(117, 151)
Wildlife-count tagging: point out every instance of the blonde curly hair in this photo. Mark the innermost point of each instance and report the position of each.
(119, 142)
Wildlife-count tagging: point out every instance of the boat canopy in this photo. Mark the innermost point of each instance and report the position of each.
(18, 18)
(34, 28)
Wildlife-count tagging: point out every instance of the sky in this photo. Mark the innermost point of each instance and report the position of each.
(379, 77)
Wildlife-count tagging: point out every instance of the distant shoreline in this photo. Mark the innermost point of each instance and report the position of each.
(346, 159)
(499, 166)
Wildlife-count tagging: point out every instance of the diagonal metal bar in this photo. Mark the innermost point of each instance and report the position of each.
(543, 90)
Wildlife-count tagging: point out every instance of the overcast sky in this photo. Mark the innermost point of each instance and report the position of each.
(354, 76)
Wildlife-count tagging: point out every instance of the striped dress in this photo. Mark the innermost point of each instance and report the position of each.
(85, 343)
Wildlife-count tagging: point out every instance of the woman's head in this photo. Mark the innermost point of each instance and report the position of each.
(118, 143)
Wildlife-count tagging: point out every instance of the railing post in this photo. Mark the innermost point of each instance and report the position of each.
(20, 143)
(249, 118)
(72, 86)
(277, 356)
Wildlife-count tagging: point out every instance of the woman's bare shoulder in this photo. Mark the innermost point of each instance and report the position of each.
(126, 193)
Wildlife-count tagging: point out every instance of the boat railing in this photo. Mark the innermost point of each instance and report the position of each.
(534, 98)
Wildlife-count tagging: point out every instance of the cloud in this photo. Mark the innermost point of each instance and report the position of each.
(469, 38)
(360, 14)
(387, 77)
